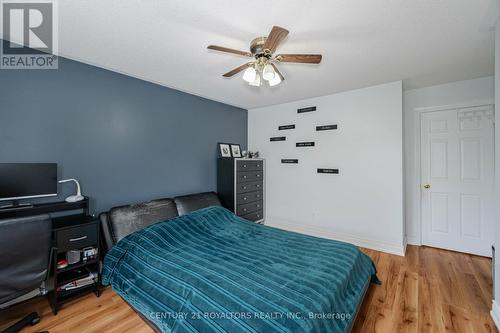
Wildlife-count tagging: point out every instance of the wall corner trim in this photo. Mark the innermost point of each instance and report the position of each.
(495, 313)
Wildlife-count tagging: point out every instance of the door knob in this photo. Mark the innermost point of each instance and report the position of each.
(427, 186)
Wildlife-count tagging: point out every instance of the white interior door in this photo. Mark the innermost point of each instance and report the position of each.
(457, 174)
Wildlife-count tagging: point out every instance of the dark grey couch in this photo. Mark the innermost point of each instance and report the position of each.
(123, 220)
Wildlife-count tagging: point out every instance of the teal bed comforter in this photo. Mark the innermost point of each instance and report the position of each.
(211, 271)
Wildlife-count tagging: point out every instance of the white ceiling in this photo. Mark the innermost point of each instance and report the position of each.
(363, 42)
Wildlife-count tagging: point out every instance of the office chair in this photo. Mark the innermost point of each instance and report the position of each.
(25, 251)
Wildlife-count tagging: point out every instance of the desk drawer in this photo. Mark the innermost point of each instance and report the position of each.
(249, 165)
(77, 237)
(248, 208)
(248, 187)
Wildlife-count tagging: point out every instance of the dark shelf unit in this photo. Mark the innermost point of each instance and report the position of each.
(76, 266)
(74, 294)
(70, 275)
(73, 232)
(69, 221)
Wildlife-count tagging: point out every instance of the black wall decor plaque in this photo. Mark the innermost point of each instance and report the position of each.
(286, 127)
(278, 138)
(308, 109)
(305, 144)
(330, 171)
(326, 127)
(289, 160)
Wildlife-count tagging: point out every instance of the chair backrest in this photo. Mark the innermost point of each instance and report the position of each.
(25, 245)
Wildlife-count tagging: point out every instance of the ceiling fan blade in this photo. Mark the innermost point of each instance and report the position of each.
(275, 37)
(237, 70)
(278, 72)
(228, 50)
(300, 58)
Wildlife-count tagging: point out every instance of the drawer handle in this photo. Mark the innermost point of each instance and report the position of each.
(258, 186)
(258, 165)
(244, 198)
(244, 165)
(258, 176)
(244, 187)
(258, 206)
(78, 239)
(258, 215)
(244, 177)
(244, 209)
(258, 195)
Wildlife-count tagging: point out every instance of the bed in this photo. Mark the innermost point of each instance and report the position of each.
(211, 271)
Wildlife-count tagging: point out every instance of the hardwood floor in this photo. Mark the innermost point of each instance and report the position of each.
(428, 290)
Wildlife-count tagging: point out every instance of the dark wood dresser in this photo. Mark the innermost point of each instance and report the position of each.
(240, 185)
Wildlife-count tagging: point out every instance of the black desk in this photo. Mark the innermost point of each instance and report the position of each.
(45, 208)
(70, 231)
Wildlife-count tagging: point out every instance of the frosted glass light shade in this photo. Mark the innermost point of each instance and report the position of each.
(256, 82)
(249, 74)
(275, 81)
(268, 72)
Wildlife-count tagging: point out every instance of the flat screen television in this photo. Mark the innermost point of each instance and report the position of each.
(27, 180)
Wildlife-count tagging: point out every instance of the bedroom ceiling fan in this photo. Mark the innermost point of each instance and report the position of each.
(264, 65)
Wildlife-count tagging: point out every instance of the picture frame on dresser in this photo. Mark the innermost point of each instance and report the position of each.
(224, 149)
(241, 187)
(236, 150)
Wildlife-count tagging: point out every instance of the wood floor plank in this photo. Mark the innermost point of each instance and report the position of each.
(428, 290)
(406, 314)
(476, 301)
(430, 316)
(482, 272)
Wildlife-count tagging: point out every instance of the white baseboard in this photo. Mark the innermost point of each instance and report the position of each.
(413, 240)
(495, 313)
(343, 237)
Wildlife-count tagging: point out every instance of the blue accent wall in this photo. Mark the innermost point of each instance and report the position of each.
(125, 139)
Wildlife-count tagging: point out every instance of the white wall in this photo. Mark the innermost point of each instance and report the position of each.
(496, 307)
(468, 92)
(362, 205)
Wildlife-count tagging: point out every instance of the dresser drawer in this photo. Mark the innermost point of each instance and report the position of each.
(248, 197)
(77, 237)
(249, 176)
(248, 208)
(249, 165)
(248, 187)
(255, 216)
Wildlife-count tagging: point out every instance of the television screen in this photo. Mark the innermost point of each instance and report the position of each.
(27, 180)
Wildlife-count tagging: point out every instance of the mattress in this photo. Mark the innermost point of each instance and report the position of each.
(212, 271)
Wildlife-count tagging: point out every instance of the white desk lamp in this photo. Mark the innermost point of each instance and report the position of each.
(78, 196)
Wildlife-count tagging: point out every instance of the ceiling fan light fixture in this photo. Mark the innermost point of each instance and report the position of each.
(263, 65)
(268, 72)
(257, 81)
(274, 81)
(250, 75)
